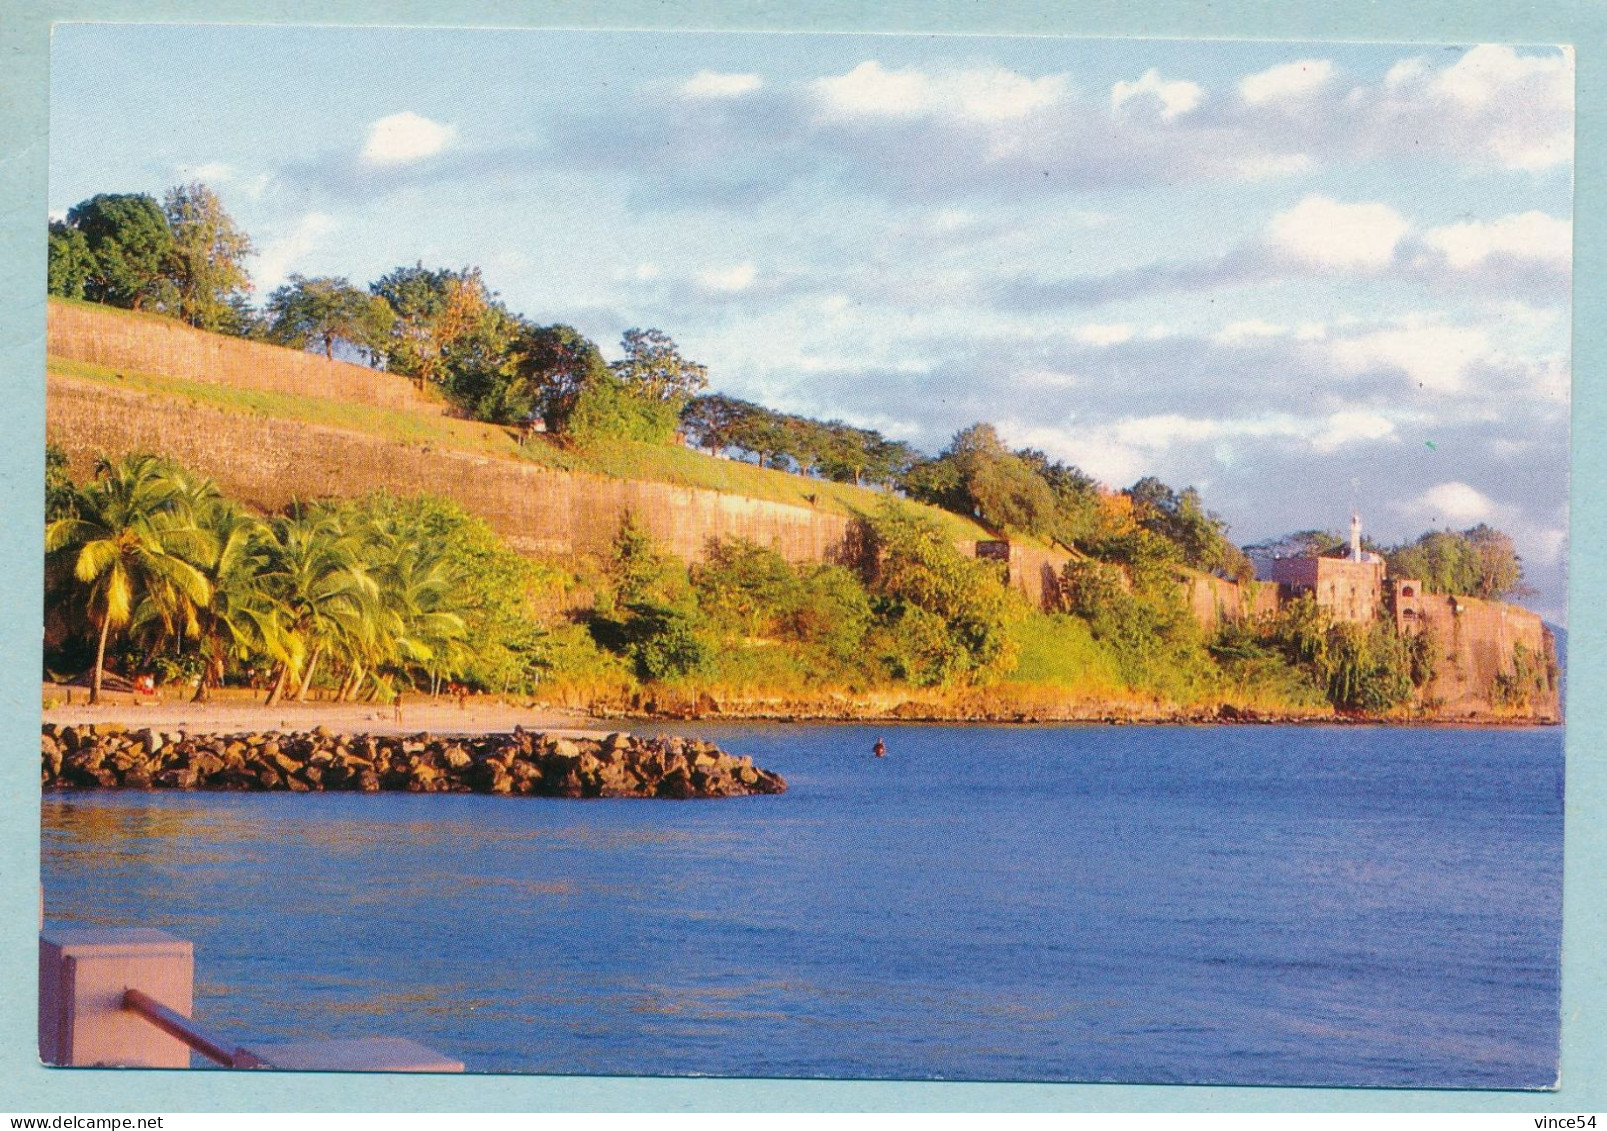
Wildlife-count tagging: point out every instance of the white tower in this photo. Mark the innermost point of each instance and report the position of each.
(1355, 536)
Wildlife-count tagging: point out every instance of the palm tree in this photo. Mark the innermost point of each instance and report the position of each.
(242, 619)
(314, 571)
(134, 540)
(417, 587)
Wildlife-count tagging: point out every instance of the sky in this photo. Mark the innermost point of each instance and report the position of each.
(1302, 277)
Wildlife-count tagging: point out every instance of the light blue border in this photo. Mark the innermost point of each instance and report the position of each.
(24, 42)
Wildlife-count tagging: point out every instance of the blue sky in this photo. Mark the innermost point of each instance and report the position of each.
(1296, 276)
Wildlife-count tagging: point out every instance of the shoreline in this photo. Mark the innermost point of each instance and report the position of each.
(233, 712)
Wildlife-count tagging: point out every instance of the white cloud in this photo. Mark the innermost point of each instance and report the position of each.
(738, 277)
(279, 257)
(1406, 72)
(1525, 235)
(1352, 427)
(209, 173)
(1436, 357)
(989, 94)
(714, 84)
(1118, 451)
(1096, 334)
(1489, 70)
(1286, 81)
(1238, 333)
(1453, 503)
(645, 272)
(1328, 233)
(1490, 102)
(952, 220)
(401, 138)
(1176, 97)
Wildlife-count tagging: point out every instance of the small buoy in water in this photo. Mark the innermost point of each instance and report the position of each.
(880, 749)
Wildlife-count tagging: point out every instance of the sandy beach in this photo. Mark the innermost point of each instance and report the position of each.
(235, 711)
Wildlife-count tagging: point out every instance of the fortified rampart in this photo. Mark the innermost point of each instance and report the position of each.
(152, 344)
(1214, 599)
(268, 462)
(1493, 657)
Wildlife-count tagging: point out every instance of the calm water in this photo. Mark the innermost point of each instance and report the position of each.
(1233, 905)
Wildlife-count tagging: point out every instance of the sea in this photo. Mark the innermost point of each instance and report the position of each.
(1347, 905)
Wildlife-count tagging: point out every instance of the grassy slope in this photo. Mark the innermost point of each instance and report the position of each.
(619, 460)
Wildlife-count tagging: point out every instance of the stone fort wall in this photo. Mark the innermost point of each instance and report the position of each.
(153, 344)
(267, 463)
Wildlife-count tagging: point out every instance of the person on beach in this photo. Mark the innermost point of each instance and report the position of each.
(398, 707)
(880, 749)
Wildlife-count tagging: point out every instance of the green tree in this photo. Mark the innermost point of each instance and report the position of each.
(1442, 560)
(1499, 570)
(431, 309)
(748, 589)
(489, 587)
(714, 420)
(71, 263)
(207, 260)
(242, 620)
(609, 409)
(317, 313)
(948, 614)
(61, 493)
(555, 365)
(654, 368)
(133, 538)
(651, 615)
(313, 569)
(479, 369)
(132, 244)
(1181, 518)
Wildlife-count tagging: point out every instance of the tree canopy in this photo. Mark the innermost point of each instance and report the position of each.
(1477, 562)
(207, 260)
(131, 243)
(318, 313)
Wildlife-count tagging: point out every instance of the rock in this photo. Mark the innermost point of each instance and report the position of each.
(526, 771)
(676, 785)
(619, 765)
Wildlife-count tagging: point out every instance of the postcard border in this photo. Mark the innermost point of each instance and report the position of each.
(24, 39)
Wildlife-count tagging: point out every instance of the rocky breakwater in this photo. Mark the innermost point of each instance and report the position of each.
(111, 756)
